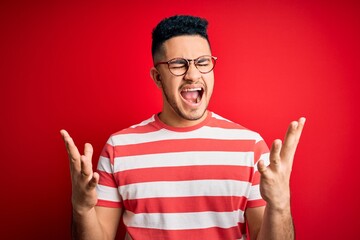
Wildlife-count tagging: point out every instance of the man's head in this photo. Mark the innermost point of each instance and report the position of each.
(178, 25)
(182, 69)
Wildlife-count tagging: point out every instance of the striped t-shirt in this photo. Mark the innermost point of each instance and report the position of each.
(182, 183)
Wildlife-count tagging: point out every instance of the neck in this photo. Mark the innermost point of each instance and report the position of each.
(174, 120)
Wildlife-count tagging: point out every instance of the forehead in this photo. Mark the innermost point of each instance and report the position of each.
(186, 46)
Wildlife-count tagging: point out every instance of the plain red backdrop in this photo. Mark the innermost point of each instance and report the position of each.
(84, 66)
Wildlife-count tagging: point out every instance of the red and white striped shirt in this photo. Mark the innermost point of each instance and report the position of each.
(182, 183)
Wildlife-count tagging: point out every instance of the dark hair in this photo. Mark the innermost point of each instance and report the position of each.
(177, 25)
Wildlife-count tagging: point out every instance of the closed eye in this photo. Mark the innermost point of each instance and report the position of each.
(203, 62)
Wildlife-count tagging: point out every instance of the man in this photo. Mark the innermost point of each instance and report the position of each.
(185, 172)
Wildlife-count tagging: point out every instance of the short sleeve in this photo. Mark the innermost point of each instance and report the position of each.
(261, 152)
(107, 189)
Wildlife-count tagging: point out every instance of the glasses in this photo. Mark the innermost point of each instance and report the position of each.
(180, 66)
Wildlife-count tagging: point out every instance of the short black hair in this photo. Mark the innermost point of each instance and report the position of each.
(177, 25)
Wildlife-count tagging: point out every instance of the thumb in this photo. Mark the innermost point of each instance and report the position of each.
(261, 167)
(94, 180)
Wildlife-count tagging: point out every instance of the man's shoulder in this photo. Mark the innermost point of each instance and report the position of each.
(218, 121)
(142, 127)
(134, 133)
(223, 122)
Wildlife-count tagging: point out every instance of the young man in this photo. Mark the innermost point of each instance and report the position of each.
(185, 172)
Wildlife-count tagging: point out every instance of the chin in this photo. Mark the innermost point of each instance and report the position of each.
(193, 116)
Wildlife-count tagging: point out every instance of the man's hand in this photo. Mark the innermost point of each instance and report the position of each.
(275, 178)
(83, 179)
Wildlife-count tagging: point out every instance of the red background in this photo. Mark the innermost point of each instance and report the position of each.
(84, 67)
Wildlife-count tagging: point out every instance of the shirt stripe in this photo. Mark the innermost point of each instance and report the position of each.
(186, 204)
(108, 193)
(164, 134)
(186, 173)
(183, 145)
(185, 188)
(177, 221)
(182, 159)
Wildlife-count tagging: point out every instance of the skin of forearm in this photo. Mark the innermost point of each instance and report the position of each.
(86, 226)
(277, 224)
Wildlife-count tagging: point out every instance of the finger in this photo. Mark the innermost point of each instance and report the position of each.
(275, 152)
(86, 160)
(292, 138)
(86, 167)
(72, 150)
(94, 180)
(88, 151)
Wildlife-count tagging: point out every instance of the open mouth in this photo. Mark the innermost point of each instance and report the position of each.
(192, 95)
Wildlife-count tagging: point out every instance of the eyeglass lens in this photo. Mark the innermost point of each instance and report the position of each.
(179, 66)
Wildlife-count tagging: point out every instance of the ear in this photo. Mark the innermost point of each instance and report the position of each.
(156, 77)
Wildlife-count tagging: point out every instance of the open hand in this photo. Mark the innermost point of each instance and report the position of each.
(275, 178)
(83, 179)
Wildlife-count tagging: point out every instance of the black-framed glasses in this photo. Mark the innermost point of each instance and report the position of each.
(179, 66)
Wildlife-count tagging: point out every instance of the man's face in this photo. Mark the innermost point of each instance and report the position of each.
(185, 97)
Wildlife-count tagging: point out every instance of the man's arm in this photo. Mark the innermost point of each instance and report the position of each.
(98, 223)
(274, 222)
(89, 222)
(264, 224)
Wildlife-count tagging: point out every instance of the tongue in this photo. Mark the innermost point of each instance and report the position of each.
(190, 96)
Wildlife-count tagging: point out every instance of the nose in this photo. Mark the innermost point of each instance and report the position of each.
(192, 74)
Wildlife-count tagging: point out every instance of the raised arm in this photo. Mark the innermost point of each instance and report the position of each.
(89, 222)
(275, 221)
